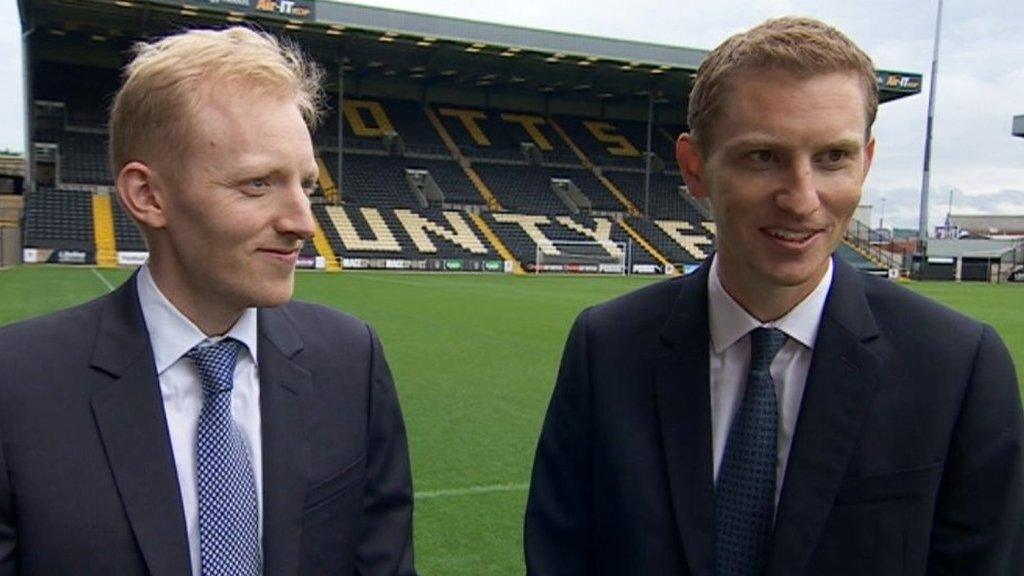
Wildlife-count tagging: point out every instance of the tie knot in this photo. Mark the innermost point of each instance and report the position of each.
(765, 343)
(216, 364)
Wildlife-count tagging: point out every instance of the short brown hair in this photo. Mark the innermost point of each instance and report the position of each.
(800, 45)
(164, 82)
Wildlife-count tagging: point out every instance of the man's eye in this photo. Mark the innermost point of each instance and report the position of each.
(834, 157)
(761, 156)
(256, 186)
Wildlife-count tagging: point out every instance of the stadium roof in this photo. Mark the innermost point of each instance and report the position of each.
(1018, 126)
(12, 165)
(969, 248)
(989, 224)
(395, 46)
(500, 36)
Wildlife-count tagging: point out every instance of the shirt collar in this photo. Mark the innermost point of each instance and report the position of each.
(728, 321)
(172, 334)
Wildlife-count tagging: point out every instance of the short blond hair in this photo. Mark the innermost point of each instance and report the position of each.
(165, 81)
(803, 46)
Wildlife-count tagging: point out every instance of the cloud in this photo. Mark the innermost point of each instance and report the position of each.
(901, 206)
(12, 130)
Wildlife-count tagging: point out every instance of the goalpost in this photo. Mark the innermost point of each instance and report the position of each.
(582, 257)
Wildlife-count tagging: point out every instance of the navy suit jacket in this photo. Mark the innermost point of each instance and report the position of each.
(87, 477)
(908, 455)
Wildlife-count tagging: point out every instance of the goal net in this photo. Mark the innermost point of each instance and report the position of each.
(581, 257)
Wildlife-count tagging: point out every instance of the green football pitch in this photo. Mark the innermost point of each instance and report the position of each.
(474, 358)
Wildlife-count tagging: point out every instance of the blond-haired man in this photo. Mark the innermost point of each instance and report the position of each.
(196, 420)
(776, 412)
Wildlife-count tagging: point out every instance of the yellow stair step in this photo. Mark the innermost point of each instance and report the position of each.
(323, 248)
(103, 231)
(331, 192)
(611, 187)
(495, 241)
(647, 246)
(453, 148)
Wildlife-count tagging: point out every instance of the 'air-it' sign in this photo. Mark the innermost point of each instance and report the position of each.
(893, 81)
(291, 8)
(294, 9)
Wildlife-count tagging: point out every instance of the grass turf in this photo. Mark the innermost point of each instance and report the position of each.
(474, 359)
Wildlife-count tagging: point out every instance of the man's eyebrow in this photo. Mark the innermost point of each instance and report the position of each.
(846, 144)
(246, 167)
(755, 141)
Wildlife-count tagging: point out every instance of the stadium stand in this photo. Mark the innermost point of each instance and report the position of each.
(83, 159)
(666, 199)
(603, 142)
(452, 180)
(372, 180)
(473, 151)
(59, 219)
(537, 132)
(401, 233)
(479, 134)
(601, 199)
(519, 187)
(679, 241)
(858, 260)
(525, 234)
(376, 181)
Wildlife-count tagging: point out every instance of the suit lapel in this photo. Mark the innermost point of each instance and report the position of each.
(840, 386)
(284, 387)
(133, 429)
(684, 413)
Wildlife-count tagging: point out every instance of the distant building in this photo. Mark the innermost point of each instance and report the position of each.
(995, 226)
(12, 173)
(980, 260)
(974, 247)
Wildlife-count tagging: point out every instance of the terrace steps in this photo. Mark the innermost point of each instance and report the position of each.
(495, 241)
(645, 244)
(103, 231)
(323, 248)
(590, 165)
(485, 192)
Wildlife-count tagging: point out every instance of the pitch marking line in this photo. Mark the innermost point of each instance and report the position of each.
(110, 287)
(430, 494)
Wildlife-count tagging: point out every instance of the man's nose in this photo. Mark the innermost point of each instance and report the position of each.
(799, 194)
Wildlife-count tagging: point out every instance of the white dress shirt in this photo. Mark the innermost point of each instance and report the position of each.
(172, 335)
(730, 327)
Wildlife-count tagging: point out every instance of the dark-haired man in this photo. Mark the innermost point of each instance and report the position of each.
(777, 412)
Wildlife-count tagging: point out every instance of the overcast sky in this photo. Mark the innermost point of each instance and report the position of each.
(980, 79)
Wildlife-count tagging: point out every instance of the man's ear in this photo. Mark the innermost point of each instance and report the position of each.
(869, 155)
(691, 165)
(142, 194)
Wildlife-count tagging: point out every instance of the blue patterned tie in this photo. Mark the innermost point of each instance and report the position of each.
(745, 495)
(228, 514)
